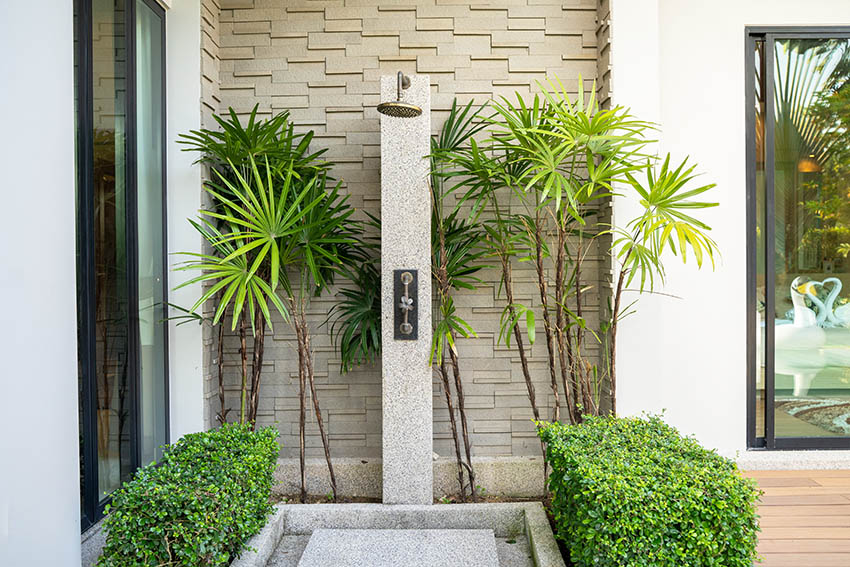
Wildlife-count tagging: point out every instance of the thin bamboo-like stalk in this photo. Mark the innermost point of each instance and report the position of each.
(612, 360)
(462, 410)
(444, 378)
(302, 413)
(547, 320)
(243, 352)
(223, 411)
(257, 368)
(564, 341)
(507, 280)
(308, 356)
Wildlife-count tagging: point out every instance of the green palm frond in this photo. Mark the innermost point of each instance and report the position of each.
(463, 249)
(568, 150)
(235, 143)
(446, 327)
(666, 222)
(263, 212)
(356, 327)
(513, 315)
(241, 289)
(356, 318)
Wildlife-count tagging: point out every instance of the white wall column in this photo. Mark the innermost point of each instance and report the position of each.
(183, 85)
(39, 443)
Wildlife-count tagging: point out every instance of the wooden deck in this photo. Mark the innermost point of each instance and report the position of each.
(805, 518)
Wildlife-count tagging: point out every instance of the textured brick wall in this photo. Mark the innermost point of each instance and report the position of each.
(210, 103)
(603, 50)
(322, 61)
(210, 61)
(605, 272)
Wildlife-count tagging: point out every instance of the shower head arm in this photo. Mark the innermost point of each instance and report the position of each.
(403, 83)
(397, 108)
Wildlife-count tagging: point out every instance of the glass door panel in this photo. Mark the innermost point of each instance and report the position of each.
(120, 113)
(111, 364)
(810, 216)
(761, 297)
(149, 167)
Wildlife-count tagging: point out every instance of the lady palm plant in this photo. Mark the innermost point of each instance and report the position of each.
(456, 247)
(278, 233)
(241, 281)
(565, 155)
(326, 242)
(664, 223)
(482, 177)
(228, 153)
(520, 137)
(557, 159)
(286, 238)
(233, 145)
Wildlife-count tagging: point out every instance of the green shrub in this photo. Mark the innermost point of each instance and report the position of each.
(199, 506)
(634, 492)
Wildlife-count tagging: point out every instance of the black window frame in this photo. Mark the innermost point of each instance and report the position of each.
(769, 34)
(91, 506)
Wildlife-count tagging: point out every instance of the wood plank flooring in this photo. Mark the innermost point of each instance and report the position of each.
(805, 518)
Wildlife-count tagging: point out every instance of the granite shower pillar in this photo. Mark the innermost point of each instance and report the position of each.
(406, 245)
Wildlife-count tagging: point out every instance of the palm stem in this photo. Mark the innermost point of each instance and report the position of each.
(243, 352)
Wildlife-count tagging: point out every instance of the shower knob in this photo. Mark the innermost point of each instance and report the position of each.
(405, 299)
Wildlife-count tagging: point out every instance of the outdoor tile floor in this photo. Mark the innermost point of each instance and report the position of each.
(805, 518)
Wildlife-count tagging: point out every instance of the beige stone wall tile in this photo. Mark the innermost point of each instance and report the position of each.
(323, 60)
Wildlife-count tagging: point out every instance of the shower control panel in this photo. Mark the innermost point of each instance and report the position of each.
(406, 305)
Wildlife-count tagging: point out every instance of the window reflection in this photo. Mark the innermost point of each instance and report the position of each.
(759, 236)
(114, 452)
(811, 221)
(149, 167)
(121, 242)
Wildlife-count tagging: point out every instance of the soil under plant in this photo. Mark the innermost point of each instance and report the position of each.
(327, 499)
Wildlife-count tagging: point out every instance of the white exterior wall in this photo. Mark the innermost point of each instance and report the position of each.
(39, 469)
(39, 439)
(183, 108)
(681, 63)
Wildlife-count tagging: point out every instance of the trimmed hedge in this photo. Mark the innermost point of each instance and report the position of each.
(199, 506)
(629, 491)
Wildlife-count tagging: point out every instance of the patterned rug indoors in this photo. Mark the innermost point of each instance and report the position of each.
(829, 414)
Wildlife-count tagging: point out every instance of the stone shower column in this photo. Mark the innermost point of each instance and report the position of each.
(406, 245)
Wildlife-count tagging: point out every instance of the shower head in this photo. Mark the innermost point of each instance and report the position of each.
(397, 108)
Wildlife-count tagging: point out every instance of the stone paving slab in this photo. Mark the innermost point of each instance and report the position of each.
(514, 552)
(288, 551)
(505, 519)
(392, 548)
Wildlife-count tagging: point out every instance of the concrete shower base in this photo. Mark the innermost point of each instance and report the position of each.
(390, 548)
(521, 530)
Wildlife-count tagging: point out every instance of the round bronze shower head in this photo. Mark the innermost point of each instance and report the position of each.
(399, 109)
(396, 108)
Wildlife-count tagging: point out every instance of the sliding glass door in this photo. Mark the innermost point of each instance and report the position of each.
(150, 212)
(798, 154)
(119, 68)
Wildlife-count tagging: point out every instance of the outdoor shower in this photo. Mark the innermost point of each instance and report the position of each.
(397, 108)
(405, 280)
(407, 440)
